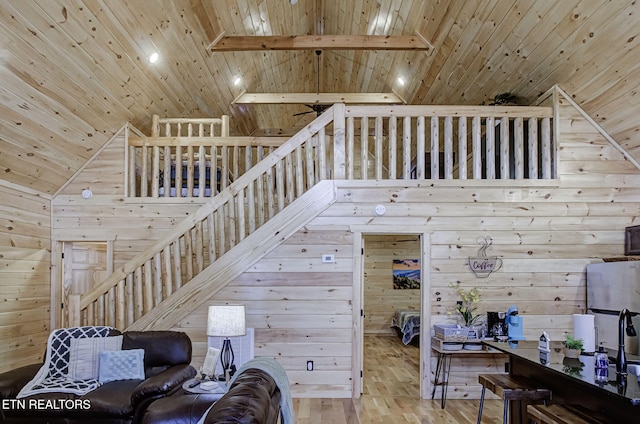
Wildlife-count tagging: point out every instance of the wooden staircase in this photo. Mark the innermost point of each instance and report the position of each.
(225, 236)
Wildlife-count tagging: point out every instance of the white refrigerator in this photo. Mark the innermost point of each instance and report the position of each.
(611, 287)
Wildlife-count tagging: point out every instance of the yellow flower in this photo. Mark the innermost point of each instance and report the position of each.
(468, 305)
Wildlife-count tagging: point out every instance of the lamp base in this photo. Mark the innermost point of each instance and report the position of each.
(226, 359)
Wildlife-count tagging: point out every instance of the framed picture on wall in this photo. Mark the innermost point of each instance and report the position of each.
(406, 273)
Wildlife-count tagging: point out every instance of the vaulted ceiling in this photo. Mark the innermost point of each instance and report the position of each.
(73, 72)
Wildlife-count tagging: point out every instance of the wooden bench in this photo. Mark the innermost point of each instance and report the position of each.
(557, 414)
(510, 388)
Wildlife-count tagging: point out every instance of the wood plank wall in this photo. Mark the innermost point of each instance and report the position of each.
(380, 299)
(302, 309)
(25, 256)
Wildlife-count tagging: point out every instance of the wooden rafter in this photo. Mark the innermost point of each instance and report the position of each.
(318, 98)
(320, 42)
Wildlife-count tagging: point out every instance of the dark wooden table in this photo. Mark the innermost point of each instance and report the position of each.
(572, 381)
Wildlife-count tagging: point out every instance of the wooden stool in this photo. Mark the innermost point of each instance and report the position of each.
(556, 414)
(509, 389)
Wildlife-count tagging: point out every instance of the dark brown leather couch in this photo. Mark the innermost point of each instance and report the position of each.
(166, 360)
(253, 398)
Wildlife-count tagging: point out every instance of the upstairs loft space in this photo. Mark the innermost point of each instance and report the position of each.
(348, 142)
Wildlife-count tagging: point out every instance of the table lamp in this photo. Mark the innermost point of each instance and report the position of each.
(226, 321)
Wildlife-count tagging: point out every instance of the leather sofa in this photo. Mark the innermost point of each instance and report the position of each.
(253, 398)
(167, 357)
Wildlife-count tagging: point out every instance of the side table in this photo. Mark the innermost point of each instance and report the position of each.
(443, 365)
(219, 389)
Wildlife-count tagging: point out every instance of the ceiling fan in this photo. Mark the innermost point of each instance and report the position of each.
(318, 108)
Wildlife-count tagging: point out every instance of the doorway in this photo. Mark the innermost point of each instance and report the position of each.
(84, 264)
(376, 299)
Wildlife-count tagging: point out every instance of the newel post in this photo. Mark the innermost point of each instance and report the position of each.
(73, 305)
(339, 141)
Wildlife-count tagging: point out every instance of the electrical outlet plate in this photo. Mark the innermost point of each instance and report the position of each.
(328, 258)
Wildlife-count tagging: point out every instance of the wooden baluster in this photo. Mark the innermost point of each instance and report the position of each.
(166, 177)
(280, 184)
(476, 152)
(148, 286)
(221, 234)
(448, 147)
(393, 139)
(406, 148)
(230, 214)
(167, 271)
(309, 163)
(144, 178)
(176, 262)
(199, 247)
(202, 172)
(545, 140)
(214, 171)
(518, 142)
(533, 148)
(350, 159)
(338, 142)
(157, 278)
(299, 172)
(290, 182)
(270, 191)
(435, 148)
(322, 154)
(224, 178)
(251, 194)
(133, 180)
(89, 318)
(260, 189)
(490, 157)
(138, 290)
(190, 171)
(504, 148)
(211, 224)
(378, 140)
(364, 148)
(130, 300)
(178, 166)
(155, 171)
(462, 147)
(240, 222)
(420, 149)
(188, 253)
(120, 305)
(73, 306)
(100, 316)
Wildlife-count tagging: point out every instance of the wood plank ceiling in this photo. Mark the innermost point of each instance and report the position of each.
(74, 71)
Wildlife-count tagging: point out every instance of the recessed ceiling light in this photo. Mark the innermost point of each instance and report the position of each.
(237, 81)
(400, 80)
(293, 1)
(153, 57)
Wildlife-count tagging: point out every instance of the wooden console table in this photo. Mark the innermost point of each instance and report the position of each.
(443, 366)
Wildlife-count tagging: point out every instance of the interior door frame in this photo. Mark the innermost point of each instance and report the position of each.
(57, 283)
(358, 304)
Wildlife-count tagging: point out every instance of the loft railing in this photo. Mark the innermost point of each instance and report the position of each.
(485, 142)
(350, 143)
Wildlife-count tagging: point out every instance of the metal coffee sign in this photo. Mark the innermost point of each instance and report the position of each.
(483, 265)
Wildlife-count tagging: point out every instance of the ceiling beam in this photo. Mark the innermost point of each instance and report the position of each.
(320, 42)
(318, 98)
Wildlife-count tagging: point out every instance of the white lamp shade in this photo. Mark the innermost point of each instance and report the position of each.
(226, 321)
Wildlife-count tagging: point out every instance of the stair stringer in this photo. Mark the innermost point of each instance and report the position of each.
(241, 257)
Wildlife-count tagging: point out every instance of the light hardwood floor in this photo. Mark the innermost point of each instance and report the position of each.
(391, 394)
